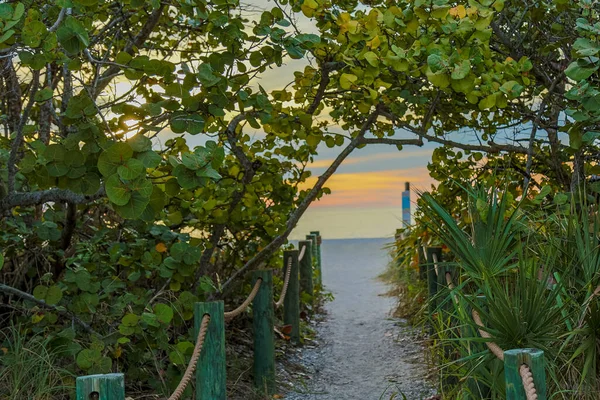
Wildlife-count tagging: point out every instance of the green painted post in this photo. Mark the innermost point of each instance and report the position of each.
(306, 268)
(513, 359)
(318, 255)
(291, 303)
(211, 375)
(432, 280)
(315, 239)
(264, 344)
(101, 387)
(422, 264)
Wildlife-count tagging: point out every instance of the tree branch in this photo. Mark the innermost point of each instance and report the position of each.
(137, 41)
(18, 141)
(9, 290)
(397, 142)
(24, 199)
(325, 70)
(272, 247)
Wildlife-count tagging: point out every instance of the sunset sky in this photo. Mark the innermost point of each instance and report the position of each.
(366, 192)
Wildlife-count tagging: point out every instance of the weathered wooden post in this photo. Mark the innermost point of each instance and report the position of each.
(262, 321)
(306, 268)
(534, 359)
(291, 303)
(101, 387)
(318, 255)
(422, 263)
(211, 376)
(314, 239)
(432, 282)
(403, 273)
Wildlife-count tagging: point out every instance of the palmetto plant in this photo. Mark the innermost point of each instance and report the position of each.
(533, 279)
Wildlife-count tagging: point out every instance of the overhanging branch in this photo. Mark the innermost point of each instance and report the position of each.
(25, 199)
(272, 247)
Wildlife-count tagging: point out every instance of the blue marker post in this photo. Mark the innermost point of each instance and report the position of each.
(406, 206)
(405, 224)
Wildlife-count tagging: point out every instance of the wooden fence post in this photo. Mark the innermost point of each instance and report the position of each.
(291, 303)
(211, 375)
(101, 387)
(314, 239)
(318, 255)
(422, 264)
(432, 282)
(262, 321)
(306, 269)
(513, 359)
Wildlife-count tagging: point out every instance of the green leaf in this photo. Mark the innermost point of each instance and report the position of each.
(347, 80)
(191, 123)
(440, 79)
(39, 292)
(586, 47)
(43, 95)
(135, 207)
(561, 198)
(131, 169)
(130, 320)
(87, 358)
(54, 152)
(33, 33)
(436, 63)
(1, 261)
(113, 157)
(206, 76)
(117, 191)
(546, 190)
(578, 72)
(6, 35)
(72, 35)
(461, 70)
(372, 58)
(487, 102)
(140, 143)
(150, 319)
(54, 295)
(150, 159)
(164, 313)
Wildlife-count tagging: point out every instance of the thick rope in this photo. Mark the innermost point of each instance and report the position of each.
(189, 372)
(494, 348)
(301, 256)
(286, 281)
(232, 314)
(528, 385)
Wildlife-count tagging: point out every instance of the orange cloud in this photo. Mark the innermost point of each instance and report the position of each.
(373, 157)
(371, 189)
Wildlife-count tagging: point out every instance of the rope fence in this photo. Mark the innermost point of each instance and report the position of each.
(207, 362)
(524, 370)
(286, 281)
(229, 315)
(191, 368)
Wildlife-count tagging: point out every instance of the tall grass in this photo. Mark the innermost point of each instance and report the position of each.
(29, 368)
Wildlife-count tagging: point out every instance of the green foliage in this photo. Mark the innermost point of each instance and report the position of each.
(541, 296)
(112, 210)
